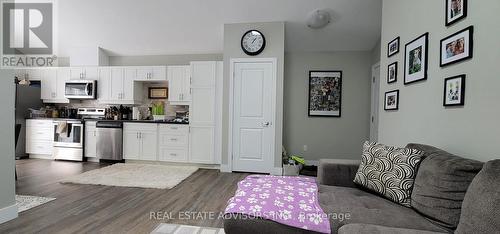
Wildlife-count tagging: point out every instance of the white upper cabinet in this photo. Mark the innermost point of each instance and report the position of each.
(116, 86)
(104, 84)
(153, 73)
(179, 85)
(203, 74)
(84, 73)
(53, 82)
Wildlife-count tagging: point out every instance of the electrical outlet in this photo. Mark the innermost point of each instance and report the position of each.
(305, 148)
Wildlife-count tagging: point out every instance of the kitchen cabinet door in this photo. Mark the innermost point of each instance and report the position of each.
(63, 75)
(201, 145)
(76, 73)
(143, 73)
(202, 108)
(104, 85)
(49, 85)
(90, 73)
(128, 85)
(90, 140)
(158, 73)
(179, 85)
(203, 74)
(149, 149)
(116, 84)
(131, 145)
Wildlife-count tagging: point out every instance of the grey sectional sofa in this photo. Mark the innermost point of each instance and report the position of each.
(448, 196)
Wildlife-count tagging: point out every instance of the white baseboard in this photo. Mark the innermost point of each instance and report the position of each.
(92, 160)
(41, 156)
(312, 162)
(8, 213)
(277, 171)
(199, 165)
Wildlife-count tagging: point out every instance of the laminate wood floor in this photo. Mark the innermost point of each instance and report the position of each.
(104, 209)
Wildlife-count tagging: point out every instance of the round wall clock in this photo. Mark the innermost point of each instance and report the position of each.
(253, 42)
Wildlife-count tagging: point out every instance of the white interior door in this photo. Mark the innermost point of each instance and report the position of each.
(375, 103)
(253, 115)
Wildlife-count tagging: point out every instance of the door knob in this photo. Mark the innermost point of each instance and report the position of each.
(266, 124)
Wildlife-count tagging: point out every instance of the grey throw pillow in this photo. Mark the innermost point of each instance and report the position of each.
(440, 185)
(388, 171)
(481, 206)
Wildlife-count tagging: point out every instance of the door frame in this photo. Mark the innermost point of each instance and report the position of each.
(232, 62)
(375, 93)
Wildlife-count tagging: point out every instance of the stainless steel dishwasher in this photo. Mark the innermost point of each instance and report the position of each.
(109, 140)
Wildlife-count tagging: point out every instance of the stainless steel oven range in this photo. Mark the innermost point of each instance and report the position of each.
(68, 140)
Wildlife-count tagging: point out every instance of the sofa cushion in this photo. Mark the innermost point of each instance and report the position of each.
(441, 183)
(388, 171)
(343, 205)
(481, 205)
(350, 205)
(362, 228)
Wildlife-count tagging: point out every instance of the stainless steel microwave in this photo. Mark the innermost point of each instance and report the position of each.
(80, 89)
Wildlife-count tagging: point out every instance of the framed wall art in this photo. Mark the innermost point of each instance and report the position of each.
(455, 11)
(393, 47)
(157, 93)
(416, 59)
(391, 101)
(325, 93)
(454, 91)
(457, 47)
(392, 72)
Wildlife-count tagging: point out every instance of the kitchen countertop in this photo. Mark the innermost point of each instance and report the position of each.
(125, 121)
(138, 121)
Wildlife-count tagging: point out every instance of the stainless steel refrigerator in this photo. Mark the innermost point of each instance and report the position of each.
(27, 96)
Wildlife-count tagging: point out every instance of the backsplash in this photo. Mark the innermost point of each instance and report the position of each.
(146, 102)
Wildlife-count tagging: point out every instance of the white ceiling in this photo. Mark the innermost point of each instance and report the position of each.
(153, 27)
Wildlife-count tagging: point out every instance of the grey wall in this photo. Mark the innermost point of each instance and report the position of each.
(327, 137)
(472, 130)
(376, 53)
(7, 163)
(275, 48)
(151, 60)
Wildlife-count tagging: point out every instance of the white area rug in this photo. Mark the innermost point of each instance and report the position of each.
(135, 175)
(167, 228)
(25, 203)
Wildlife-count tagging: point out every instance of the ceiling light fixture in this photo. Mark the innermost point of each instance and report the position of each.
(318, 19)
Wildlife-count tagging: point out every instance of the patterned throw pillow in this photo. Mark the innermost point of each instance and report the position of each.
(389, 171)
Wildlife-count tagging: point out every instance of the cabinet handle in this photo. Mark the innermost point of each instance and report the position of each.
(173, 139)
(137, 135)
(173, 154)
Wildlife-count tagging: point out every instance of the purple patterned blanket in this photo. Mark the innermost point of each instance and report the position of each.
(288, 200)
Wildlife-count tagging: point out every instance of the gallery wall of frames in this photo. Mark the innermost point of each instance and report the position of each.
(455, 48)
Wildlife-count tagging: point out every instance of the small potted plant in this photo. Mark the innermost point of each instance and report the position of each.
(292, 165)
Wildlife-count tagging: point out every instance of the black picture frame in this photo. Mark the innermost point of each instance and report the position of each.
(258, 51)
(470, 46)
(151, 95)
(396, 92)
(309, 100)
(425, 57)
(391, 53)
(447, 21)
(389, 81)
(461, 99)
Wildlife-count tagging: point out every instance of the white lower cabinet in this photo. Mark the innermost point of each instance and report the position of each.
(140, 141)
(39, 136)
(157, 142)
(173, 143)
(90, 139)
(202, 144)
